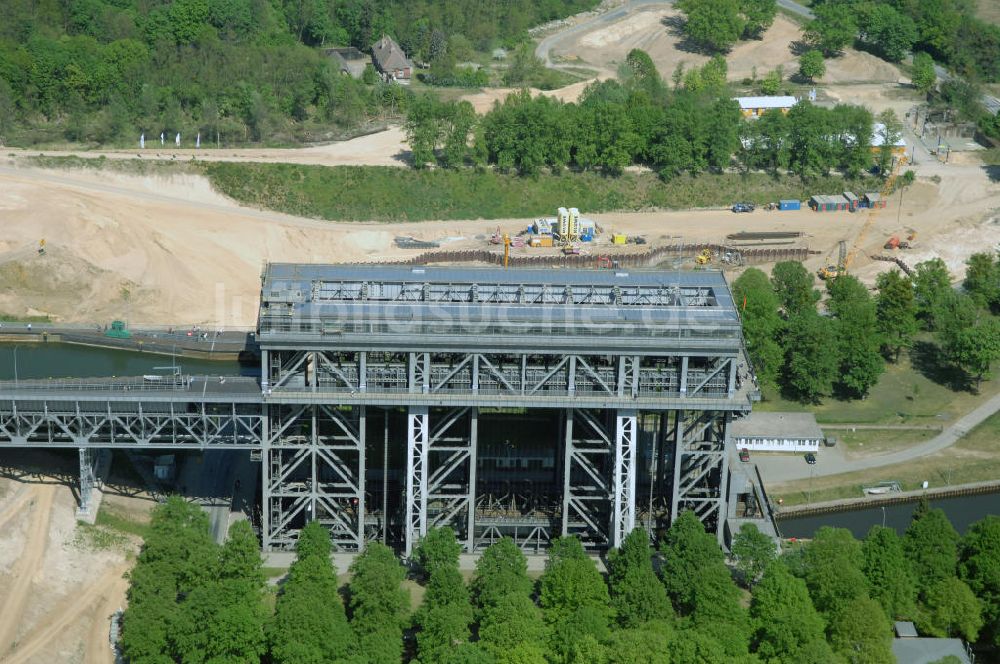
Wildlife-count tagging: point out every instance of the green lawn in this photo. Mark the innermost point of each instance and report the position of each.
(903, 395)
(374, 193)
(975, 458)
(878, 441)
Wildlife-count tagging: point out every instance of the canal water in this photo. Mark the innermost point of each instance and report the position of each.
(60, 360)
(962, 511)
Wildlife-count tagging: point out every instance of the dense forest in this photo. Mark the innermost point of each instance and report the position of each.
(234, 70)
(691, 127)
(810, 356)
(828, 601)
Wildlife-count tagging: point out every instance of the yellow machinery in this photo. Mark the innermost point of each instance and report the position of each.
(831, 271)
(506, 249)
(704, 258)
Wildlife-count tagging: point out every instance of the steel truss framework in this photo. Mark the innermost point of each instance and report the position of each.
(439, 348)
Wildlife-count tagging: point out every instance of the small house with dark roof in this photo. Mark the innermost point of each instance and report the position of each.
(390, 60)
(348, 60)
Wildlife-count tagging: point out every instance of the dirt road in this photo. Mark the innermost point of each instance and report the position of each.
(27, 566)
(109, 585)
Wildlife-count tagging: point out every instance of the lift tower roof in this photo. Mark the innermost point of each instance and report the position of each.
(442, 308)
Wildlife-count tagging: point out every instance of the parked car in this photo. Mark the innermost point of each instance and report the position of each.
(744, 455)
(810, 458)
(743, 207)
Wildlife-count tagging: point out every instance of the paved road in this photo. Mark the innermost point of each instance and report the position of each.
(832, 461)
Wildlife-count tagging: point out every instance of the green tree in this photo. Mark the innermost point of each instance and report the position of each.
(794, 287)
(812, 65)
(461, 124)
(771, 83)
(923, 76)
(636, 646)
(931, 285)
(861, 634)
(437, 549)
(810, 368)
(686, 548)
(890, 576)
(786, 626)
(897, 312)
(969, 338)
(832, 567)
(501, 570)
(890, 131)
(753, 551)
(931, 544)
(573, 596)
(950, 609)
(423, 129)
(446, 613)
(379, 605)
(982, 279)
(314, 541)
(222, 621)
(309, 624)
(637, 596)
(715, 25)
(762, 325)
(979, 567)
(833, 29)
(758, 15)
(178, 558)
(858, 341)
(511, 620)
(717, 610)
(889, 32)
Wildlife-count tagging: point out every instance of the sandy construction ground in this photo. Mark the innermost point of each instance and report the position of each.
(169, 250)
(656, 31)
(383, 148)
(57, 592)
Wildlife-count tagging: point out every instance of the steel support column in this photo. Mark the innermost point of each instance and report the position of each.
(700, 467)
(87, 479)
(626, 451)
(417, 444)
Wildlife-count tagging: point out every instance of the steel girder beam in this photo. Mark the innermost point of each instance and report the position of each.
(314, 469)
(441, 474)
(129, 424)
(701, 467)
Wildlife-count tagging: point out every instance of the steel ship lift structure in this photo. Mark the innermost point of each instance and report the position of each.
(641, 371)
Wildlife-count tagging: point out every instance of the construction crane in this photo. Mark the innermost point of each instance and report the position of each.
(846, 258)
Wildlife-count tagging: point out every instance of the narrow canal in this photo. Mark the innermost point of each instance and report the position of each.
(59, 360)
(962, 511)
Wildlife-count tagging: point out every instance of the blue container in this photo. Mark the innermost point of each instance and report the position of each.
(789, 205)
(586, 238)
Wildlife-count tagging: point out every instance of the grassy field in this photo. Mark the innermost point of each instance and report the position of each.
(879, 441)
(989, 10)
(904, 395)
(371, 193)
(975, 458)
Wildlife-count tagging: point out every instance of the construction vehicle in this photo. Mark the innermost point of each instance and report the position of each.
(892, 243)
(833, 271)
(704, 258)
(41, 247)
(605, 263)
(571, 250)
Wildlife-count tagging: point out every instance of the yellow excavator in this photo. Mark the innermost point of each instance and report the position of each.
(845, 257)
(704, 258)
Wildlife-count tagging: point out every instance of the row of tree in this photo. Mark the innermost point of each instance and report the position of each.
(828, 601)
(811, 356)
(692, 127)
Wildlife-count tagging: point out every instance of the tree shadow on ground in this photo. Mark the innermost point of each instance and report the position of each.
(992, 172)
(927, 359)
(799, 47)
(675, 28)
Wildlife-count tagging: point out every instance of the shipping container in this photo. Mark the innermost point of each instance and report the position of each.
(789, 205)
(853, 202)
(619, 238)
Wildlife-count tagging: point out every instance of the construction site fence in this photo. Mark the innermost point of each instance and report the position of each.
(650, 258)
